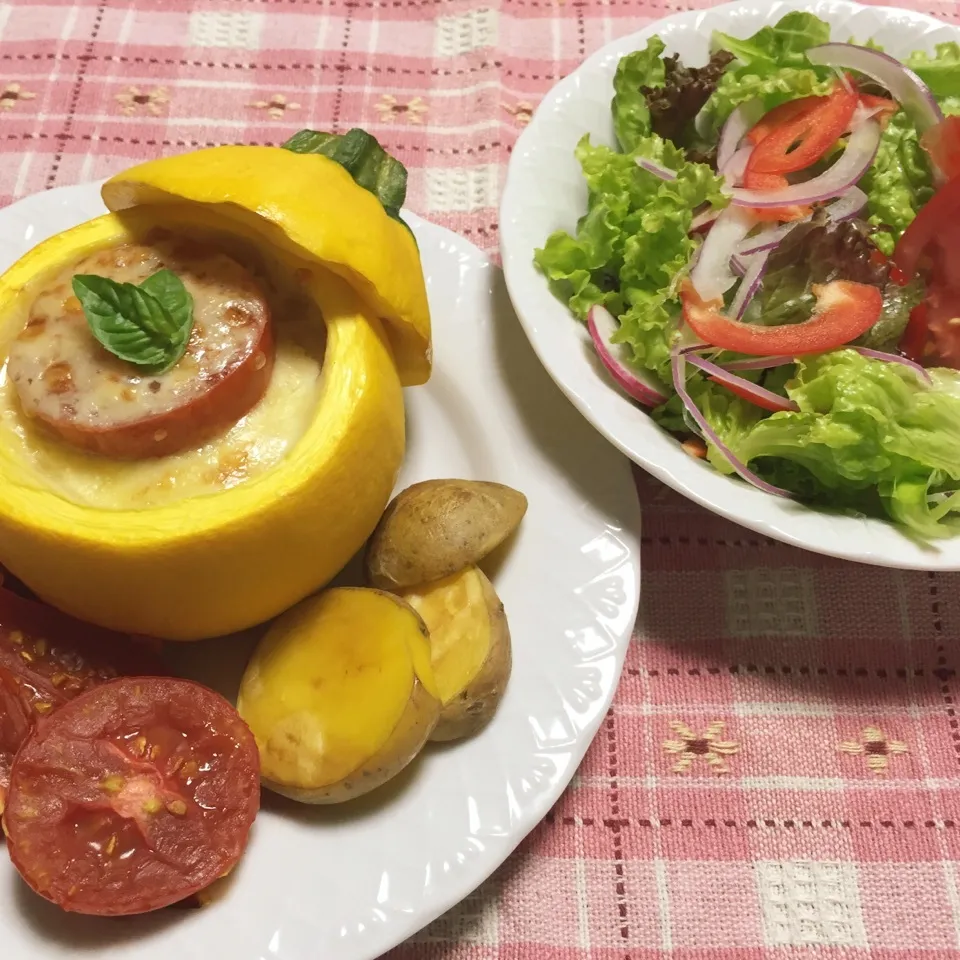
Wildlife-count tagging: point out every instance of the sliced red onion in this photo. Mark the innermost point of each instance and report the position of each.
(844, 208)
(657, 169)
(853, 163)
(765, 239)
(678, 369)
(767, 398)
(758, 363)
(711, 275)
(739, 264)
(862, 113)
(844, 79)
(735, 129)
(750, 284)
(602, 326)
(895, 358)
(704, 219)
(903, 84)
(736, 166)
(847, 206)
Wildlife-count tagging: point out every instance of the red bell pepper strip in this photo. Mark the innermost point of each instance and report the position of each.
(844, 310)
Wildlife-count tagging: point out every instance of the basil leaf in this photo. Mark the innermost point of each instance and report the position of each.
(133, 323)
(168, 288)
(361, 155)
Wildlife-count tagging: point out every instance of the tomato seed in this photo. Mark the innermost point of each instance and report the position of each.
(111, 845)
(40, 647)
(16, 637)
(42, 707)
(58, 679)
(113, 783)
(152, 805)
(177, 807)
(27, 656)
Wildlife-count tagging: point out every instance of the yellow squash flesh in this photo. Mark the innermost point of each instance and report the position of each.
(219, 563)
(339, 695)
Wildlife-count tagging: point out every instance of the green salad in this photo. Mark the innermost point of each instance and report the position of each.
(766, 262)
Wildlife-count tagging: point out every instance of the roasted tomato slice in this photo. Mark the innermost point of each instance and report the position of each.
(46, 659)
(844, 311)
(133, 796)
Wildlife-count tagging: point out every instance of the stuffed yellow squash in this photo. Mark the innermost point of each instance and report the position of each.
(201, 416)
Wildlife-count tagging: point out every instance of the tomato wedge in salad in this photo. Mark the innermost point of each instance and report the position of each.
(46, 659)
(135, 795)
(930, 247)
(844, 310)
(942, 143)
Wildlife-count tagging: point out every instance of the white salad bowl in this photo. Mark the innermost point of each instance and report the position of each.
(545, 191)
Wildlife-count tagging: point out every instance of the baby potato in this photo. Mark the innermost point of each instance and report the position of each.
(340, 695)
(469, 649)
(437, 527)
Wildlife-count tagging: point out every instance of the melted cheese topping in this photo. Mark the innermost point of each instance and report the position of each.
(253, 445)
(63, 373)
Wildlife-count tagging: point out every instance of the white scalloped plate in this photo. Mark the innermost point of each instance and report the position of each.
(350, 882)
(545, 191)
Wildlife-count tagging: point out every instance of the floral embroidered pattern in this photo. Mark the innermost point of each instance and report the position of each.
(876, 747)
(133, 99)
(521, 111)
(12, 93)
(276, 106)
(706, 746)
(390, 108)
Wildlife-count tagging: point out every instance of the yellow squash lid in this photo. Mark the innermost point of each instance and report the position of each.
(310, 206)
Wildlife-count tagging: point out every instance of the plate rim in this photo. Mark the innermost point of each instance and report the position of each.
(515, 257)
(407, 924)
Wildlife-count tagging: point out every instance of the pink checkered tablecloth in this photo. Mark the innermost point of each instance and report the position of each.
(780, 773)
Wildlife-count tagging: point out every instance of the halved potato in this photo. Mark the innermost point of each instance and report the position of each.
(469, 649)
(437, 527)
(340, 695)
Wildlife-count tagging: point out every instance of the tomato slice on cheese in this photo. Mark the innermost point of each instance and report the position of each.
(66, 380)
(46, 659)
(133, 796)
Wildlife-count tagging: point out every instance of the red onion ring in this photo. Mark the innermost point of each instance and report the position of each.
(736, 166)
(731, 379)
(844, 174)
(602, 325)
(903, 84)
(750, 284)
(657, 169)
(735, 129)
(758, 363)
(844, 208)
(895, 358)
(711, 275)
(704, 219)
(678, 369)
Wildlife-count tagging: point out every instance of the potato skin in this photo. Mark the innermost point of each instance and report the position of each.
(385, 760)
(406, 741)
(474, 706)
(437, 527)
